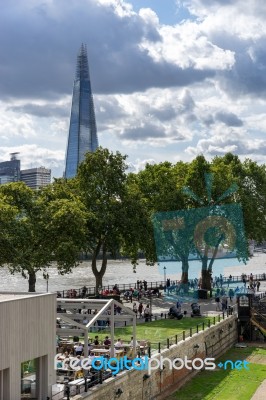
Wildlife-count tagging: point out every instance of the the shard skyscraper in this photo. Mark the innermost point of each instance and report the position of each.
(82, 135)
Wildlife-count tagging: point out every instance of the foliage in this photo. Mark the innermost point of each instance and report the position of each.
(46, 230)
(116, 217)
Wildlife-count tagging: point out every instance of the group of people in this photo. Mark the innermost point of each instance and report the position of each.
(137, 294)
(221, 303)
(253, 284)
(142, 311)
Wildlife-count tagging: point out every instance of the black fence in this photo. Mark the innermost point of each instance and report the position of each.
(92, 292)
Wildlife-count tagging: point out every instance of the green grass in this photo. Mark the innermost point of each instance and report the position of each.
(156, 331)
(226, 384)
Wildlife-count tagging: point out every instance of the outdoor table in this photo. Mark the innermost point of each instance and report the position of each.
(101, 351)
(78, 383)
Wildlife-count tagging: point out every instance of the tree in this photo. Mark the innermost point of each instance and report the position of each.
(224, 188)
(116, 219)
(8, 223)
(161, 187)
(46, 231)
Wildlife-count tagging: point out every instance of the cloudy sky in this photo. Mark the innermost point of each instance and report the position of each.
(171, 79)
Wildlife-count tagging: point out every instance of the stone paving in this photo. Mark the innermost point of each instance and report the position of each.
(162, 304)
(260, 393)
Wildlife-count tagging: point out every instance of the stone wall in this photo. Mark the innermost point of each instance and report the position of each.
(139, 385)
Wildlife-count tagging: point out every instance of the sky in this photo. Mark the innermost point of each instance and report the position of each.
(171, 79)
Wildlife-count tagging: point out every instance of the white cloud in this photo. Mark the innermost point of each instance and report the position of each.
(159, 89)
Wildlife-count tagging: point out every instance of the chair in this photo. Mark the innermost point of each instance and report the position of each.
(142, 346)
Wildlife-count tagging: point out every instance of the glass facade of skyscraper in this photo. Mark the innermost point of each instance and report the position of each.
(82, 136)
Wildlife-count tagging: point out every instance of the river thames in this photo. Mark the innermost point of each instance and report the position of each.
(122, 272)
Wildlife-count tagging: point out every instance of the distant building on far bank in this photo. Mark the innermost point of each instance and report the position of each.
(10, 170)
(36, 178)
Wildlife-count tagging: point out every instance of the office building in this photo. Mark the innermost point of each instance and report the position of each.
(36, 178)
(10, 170)
(82, 136)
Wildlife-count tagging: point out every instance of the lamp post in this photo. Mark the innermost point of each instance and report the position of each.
(100, 292)
(164, 273)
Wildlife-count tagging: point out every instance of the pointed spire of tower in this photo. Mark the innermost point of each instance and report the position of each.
(82, 136)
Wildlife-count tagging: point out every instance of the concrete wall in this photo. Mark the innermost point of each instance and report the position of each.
(212, 342)
(28, 331)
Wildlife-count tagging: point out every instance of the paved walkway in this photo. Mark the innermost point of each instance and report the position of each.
(260, 393)
(162, 304)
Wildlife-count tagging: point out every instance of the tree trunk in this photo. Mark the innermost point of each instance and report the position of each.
(185, 266)
(32, 281)
(99, 274)
(205, 278)
(206, 272)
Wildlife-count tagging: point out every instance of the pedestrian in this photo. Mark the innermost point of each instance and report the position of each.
(217, 300)
(147, 313)
(224, 303)
(231, 294)
(135, 309)
(140, 309)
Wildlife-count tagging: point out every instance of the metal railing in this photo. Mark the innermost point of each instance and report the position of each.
(91, 290)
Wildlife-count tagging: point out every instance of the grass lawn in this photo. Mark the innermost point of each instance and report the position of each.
(156, 331)
(227, 384)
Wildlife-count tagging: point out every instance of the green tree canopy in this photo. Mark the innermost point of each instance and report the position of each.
(116, 217)
(46, 231)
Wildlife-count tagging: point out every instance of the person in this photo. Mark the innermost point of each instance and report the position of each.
(96, 375)
(231, 294)
(258, 286)
(147, 313)
(132, 342)
(79, 374)
(90, 358)
(107, 341)
(224, 303)
(217, 300)
(178, 306)
(118, 344)
(78, 364)
(135, 309)
(140, 309)
(78, 349)
(96, 341)
(84, 291)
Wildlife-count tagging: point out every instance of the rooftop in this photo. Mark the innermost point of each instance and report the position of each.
(9, 296)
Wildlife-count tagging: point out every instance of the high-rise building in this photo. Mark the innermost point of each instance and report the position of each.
(36, 177)
(10, 170)
(82, 137)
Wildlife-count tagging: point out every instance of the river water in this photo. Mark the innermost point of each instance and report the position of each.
(122, 272)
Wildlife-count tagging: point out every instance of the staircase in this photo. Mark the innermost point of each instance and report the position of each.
(258, 314)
